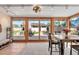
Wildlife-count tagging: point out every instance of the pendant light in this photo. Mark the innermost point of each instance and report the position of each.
(36, 8)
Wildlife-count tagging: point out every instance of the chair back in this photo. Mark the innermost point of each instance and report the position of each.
(52, 38)
(49, 35)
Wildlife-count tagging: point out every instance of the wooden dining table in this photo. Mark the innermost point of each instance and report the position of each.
(71, 38)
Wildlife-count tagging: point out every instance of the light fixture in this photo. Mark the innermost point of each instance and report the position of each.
(36, 8)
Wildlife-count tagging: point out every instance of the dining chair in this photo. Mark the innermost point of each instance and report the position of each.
(53, 41)
(74, 47)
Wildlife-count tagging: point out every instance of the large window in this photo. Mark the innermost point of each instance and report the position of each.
(38, 29)
(33, 29)
(74, 22)
(44, 29)
(18, 29)
(59, 25)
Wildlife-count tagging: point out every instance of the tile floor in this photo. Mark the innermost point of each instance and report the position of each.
(30, 49)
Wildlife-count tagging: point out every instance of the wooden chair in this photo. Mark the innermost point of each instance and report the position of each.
(53, 41)
(75, 47)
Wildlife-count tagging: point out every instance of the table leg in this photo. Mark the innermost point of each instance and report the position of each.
(62, 48)
(71, 49)
(78, 52)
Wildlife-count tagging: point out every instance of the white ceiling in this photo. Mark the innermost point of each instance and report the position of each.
(46, 10)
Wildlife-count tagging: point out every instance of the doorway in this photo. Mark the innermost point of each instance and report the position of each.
(38, 29)
(30, 29)
(18, 26)
(18, 32)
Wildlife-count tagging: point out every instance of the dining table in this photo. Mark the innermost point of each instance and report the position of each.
(71, 38)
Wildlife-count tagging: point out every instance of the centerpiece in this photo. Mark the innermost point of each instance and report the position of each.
(66, 32)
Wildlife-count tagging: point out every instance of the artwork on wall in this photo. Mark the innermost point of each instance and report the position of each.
(0, 28)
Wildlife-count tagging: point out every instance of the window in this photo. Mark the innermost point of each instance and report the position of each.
(18, 29)
(74, 22)
(59, 25)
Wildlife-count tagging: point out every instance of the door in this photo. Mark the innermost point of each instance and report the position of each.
(38, 29)
(33, 29)
(18, 26)
(44, 29)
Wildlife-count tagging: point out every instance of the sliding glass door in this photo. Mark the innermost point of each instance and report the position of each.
(18, 29)
(38, 29)
(44, 29)
(33, 29)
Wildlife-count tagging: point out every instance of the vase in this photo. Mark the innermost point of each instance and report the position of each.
(66, 35)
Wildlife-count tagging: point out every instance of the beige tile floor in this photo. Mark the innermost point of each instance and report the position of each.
(12, 49)
(29, 49)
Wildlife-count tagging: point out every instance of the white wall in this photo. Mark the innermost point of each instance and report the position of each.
(5, 22)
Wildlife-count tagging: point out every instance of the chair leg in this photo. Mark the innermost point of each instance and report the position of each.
(59, 49)
(49, 46)
(50, 49)
(71, 49)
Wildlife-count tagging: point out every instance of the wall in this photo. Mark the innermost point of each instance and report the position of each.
(5, 22)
